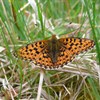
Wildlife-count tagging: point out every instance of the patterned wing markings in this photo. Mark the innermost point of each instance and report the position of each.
(72, 47)
(37, 53)
(54, 53)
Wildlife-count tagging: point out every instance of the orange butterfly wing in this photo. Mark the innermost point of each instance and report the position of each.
(72, 47)
(37, 53)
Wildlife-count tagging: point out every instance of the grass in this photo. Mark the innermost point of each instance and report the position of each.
(22, 23)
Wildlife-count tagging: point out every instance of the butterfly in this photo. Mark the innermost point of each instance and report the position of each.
(54, 53)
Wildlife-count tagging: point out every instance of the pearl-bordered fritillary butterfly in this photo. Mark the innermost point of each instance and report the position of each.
(54, 53)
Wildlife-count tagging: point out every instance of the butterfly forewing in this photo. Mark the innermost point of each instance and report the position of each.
(72, 47)
(37, 53)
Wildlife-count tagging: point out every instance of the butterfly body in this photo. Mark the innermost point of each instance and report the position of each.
(53, 48)
(55, 52)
